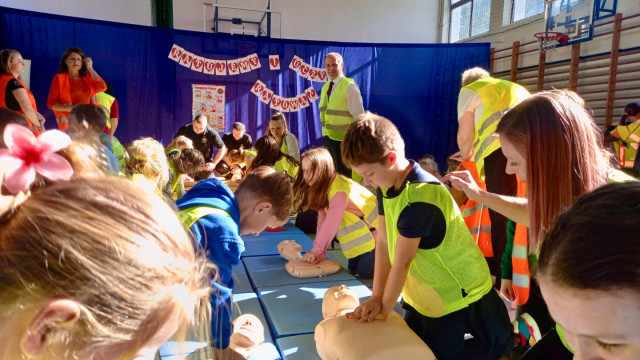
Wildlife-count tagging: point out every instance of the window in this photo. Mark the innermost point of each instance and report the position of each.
(522, 9)
(468, 18)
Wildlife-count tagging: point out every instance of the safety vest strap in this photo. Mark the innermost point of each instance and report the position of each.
(190, 215)
(520, 256)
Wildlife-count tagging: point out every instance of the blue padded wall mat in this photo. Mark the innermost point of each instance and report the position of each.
(299, 347)
(297, 309)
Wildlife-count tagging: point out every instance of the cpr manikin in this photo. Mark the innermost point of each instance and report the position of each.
(340, 338)
(248, 335)
(297, 267)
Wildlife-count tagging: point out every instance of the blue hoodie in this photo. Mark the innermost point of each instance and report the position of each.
(219, 235)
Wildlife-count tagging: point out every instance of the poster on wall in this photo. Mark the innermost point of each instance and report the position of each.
(209, 100)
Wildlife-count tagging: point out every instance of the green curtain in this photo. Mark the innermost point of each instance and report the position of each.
(162, 13)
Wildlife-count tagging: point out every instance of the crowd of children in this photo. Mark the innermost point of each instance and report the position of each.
(95, 261)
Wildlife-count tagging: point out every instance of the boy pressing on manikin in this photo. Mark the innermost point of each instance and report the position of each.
(424, 251)
(218, 217)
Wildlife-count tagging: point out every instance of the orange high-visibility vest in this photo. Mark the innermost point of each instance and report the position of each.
(4, 80)
(62, 79)
(476, 215)
(520, 255)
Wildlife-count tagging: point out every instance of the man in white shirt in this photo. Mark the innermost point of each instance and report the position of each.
(340, 104)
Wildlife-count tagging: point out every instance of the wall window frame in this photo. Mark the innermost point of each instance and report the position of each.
(456, 4)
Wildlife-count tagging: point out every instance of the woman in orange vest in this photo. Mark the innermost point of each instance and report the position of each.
(552, 143)
(14, 94)
(75, 83)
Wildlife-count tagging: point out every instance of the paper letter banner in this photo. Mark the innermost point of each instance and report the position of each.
(311, 94)
(175, 53)
(303, 101)
(254, 61)
(274, 61)
(186, 59)
(209, 100)
(243, 64)
(258, 88)
(233, 67)
(221, 67)
(209, 67)
(276, 103)
(296, 63)
(266, 96)
(197, 64)
(293, 104)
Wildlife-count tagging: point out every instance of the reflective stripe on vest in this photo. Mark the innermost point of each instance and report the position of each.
(354, 234)
(476, 215)
(4, 80)
(497, 96)
(452, 275)
(190, 215)
(334, 113)
(520, 256)
(62, 82)
(630, 134)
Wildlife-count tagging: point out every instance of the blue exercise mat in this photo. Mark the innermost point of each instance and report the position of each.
(267, 351)
(270, 271)
(282, 234)
(268, 245)
(299, 347)
(297, 309)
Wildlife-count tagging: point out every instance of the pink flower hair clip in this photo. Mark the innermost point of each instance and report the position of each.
(27, 156)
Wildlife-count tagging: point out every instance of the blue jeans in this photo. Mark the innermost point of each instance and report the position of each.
(363, 264)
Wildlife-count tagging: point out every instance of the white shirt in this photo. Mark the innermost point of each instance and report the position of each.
(354, 98)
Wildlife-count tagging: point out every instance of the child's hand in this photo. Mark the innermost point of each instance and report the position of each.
(368, 310)
(506, 289)
(311, 258)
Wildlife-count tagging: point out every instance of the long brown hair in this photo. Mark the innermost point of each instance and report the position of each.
(63, 68)
(269, 152)
(562, 145)
(314, 197)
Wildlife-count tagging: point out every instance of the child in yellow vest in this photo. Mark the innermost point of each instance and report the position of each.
(346, 210)
(424, 251)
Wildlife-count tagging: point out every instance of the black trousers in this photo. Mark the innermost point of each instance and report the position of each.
(334, 149)
(498, 182)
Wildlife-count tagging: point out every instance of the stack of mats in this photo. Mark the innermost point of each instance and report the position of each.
(289, 307)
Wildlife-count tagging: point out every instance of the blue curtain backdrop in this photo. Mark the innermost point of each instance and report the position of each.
(414, 85)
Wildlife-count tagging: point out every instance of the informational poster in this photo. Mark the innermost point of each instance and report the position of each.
(209, 100)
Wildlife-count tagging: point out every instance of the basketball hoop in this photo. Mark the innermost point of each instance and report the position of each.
(551, 39)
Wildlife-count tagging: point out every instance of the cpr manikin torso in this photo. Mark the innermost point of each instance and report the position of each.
(340, 338)
(248, 337)
(297, 267)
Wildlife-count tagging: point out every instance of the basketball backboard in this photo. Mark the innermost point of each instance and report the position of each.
(571, 17)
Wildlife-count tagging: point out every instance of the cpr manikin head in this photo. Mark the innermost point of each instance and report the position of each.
(290, 249)
(339, 300)
(248, 332)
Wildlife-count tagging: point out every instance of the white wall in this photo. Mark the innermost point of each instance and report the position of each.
(126, 11)
(398, 21)
(384, 21)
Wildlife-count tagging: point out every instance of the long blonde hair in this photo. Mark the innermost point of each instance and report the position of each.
(146, 157)
(117, 250)
(314, 197)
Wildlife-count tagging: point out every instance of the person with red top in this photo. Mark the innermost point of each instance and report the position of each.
(75, 83)
(14, 94)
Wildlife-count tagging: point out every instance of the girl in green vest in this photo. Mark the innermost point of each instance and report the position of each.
(589, 273)
(242, 159)
(346, 210)
(287, 142)
(270, 154)
(552, 143)
(185, 162)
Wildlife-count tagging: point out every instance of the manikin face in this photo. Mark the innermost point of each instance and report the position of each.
(278, 129)
(339, 300)
(516, 162)
(333, 66)
(74, 62)
(598, 324)
(199, 125)
(375, 174)
(248, 331)
(289, 249)
(310, 177)
(16, 64)
(237, 134)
